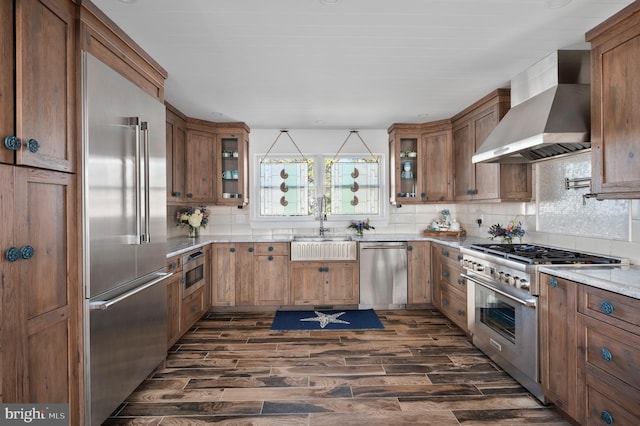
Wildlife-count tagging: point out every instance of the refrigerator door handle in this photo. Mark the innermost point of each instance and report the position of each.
(135, 122)
(146, 237)
(106, 304)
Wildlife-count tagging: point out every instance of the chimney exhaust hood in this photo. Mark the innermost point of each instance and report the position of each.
(550, 112)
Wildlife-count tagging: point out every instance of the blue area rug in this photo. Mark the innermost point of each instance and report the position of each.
(326, 320)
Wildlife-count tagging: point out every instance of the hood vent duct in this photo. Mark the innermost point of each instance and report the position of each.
(550, 112)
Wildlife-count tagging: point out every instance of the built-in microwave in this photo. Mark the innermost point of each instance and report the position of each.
(193, 272)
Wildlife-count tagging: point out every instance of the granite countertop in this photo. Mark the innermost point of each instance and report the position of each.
(623, 280)
(180, 245)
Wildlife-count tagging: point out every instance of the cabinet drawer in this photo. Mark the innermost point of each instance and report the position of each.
(276, 249)
(454, 306)
(612, 350)
(447, 254)
(450, 277)
(609, 401)
(616, 309)
(193, 307)
(174, 264)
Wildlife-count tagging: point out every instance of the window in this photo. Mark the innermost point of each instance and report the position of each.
(288, 189)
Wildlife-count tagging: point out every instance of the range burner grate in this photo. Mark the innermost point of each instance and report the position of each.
(540, 255)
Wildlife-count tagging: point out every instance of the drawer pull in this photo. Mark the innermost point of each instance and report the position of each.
(232, 250)
(553, 282)
(445, 302)
(250, 249)
(194, 308)
(460, 281)
(12, 143)
(409, 248)
(459, 257)
(33, 145)
(270, 248)
(270, 258)
(606, 417)
(445, 274)
(460, 312)
(606, 307)
(605, 354)
(445, 252)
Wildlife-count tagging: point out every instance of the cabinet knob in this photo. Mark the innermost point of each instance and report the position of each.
(26, 252)
(250, 249)
(173, 265)
(460, 281)
(445, 252)
(606, 307)
(606, 417)
(176, 193)
(12, 254)
(33, 145)
(605, 354)
(459, 257)
(423, 195)
(189, 195)
(270, 258)
(445, 302)
(409, 248)
(445, 274)
(12, 143)
(553, 282)
(232, 250)
(460, 312)
(194, 308)
(270, 248)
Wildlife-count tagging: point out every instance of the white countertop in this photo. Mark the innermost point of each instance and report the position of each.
(180, 245)
(623, 280)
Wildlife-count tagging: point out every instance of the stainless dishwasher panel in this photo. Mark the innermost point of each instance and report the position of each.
(383, 275)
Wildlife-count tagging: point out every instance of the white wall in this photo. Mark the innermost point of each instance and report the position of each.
(415, 218)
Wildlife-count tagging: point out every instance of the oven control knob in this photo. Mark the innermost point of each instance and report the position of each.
(523, 284)
(500, 276)
(512, 281)
(505, 278)
(478, 267)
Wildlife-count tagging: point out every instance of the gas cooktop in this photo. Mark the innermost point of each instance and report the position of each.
(541, 255)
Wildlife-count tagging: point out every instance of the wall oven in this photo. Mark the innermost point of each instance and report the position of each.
(193, 272)
(502, 298)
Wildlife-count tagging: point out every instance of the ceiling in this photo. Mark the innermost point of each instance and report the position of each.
(353, 64)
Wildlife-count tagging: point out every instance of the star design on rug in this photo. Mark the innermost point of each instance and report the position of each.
(326, 319)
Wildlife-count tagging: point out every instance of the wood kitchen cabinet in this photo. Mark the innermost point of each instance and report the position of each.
(40, 317)
(176, 160)
(38, 114)
(200, 164)
(324, 283)
(421, 168)
(419, 272)
(250, 274)
(232, 156)
(496, 182)
(615, 110)
(450, 288)
(558, 345)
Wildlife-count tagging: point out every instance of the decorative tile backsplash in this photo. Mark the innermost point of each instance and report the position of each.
(566, 211)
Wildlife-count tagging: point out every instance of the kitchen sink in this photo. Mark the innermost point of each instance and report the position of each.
(321, 248)
(322, 238)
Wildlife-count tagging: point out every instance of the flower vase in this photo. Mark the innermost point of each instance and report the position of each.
(193, 232)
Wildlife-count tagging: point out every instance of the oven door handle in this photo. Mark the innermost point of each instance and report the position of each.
(531, 303)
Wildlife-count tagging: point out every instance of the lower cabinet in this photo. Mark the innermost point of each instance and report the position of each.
(418, 272)
(590, 360)
(324, 283)
(450, 288)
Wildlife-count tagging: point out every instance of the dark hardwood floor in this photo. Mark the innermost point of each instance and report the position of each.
(421, 369)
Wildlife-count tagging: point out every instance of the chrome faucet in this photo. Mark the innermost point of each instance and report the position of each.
(322, 213)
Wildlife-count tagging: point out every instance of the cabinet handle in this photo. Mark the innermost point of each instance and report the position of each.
(606, 307)
(445, 302)
(410, 248)
(445, 274)
(606, 417)
(232, 250)
(12, 143)
(270, 258)
(250, 249)
(33, 145)
(194, 308)
(189, 195)
(445, 252)
(553, 282)
(605, 354)
(12, 254)
(459, 257)
(270, 248)
(460, 312)
(176, 193)
(460, 281)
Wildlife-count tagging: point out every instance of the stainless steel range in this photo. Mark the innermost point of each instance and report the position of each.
(502, 298)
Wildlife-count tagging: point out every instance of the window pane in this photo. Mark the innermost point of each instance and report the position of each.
(352, 186)
(285, 187)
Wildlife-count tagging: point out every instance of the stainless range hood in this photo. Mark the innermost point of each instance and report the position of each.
(550, 112)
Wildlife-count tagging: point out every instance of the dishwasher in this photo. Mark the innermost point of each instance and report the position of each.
(383, 275)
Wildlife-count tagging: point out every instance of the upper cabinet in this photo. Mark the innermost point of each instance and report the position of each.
(420, 163)
(486, 182)
(615, 110)
(207, 162)
(38, 84)
(232, 180)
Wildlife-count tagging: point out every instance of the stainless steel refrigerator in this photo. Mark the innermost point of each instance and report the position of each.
(124, 224)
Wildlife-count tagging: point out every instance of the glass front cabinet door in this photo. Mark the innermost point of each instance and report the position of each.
(405, 164)
(233, 166)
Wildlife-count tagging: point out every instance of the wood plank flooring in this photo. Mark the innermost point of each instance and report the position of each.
(420, 370)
